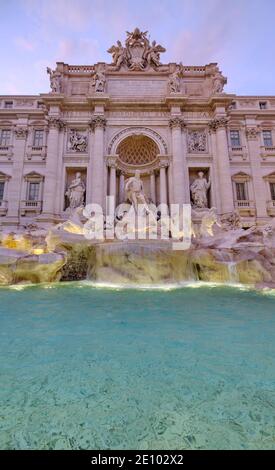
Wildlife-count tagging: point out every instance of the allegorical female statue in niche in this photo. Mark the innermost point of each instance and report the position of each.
(199, 190)
(76, 192)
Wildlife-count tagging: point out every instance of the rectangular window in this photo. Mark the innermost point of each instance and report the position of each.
(241, 192)
(267, 137)
(263, 105)
(272, 190)
(2, 186)
(38, 138)
(5, 135)
(8, 105)
(33, 191)
(235, 139)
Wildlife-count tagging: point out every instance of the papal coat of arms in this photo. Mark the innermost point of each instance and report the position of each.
(138, 53)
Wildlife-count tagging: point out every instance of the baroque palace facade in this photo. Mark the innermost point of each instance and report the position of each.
(100, 123)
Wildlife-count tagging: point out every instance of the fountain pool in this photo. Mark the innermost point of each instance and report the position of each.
(85, 367)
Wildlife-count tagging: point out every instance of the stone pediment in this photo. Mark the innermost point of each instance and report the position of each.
(241, 177)
(33, 176)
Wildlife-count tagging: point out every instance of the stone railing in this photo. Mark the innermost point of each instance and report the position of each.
(236, 148)
(267, 152)
(30, 206)
(244, 204)
(238, 152)
(245, 208)
(36, 151)
(81, 69)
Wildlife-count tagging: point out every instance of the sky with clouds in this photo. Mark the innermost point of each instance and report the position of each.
(238, 34)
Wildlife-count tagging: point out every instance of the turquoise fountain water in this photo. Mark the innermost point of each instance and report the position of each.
(96, 368)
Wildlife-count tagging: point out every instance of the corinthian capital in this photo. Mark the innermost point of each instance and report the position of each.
(21, 132)
(111, 162)
(176, 122)
(55, 123)
(217, 123)
(252, 133)
(98, 121)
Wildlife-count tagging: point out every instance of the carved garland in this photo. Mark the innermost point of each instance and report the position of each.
(21, 132)
(252, 133)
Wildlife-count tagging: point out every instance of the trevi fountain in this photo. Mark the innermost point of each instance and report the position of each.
(137, 260)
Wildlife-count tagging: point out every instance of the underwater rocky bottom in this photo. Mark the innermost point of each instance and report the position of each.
(90, 367)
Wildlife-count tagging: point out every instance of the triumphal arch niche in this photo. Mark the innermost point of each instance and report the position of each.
(174, 123)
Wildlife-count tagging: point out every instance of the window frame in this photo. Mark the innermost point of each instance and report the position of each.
(272, 190)
(241, 192)
(8, 104)
(2, 184)
(35, 196)
(7, 142)
(235, 142)
(267, 141)
(40, 138)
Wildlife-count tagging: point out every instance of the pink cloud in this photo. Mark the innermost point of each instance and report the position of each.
(24, 44)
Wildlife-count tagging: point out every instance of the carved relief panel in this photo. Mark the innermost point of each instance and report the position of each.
(197, 141)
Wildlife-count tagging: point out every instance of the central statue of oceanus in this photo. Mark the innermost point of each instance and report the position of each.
(135, 194)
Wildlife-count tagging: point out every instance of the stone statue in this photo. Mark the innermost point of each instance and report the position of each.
(174, 82)
(199, 190)
(232, 221)
(99, 82)
(218, 82)
(134, 192)
(153, 54)
(76, 192)
(209, 219)
(55, 80)
(119, 54)
(77, 142)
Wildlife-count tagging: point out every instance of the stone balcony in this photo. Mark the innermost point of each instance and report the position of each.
(267, 152)
(30, 207)
(3, 207)
(36, 153)
(246, 208)
(270, 206)
(238, 153)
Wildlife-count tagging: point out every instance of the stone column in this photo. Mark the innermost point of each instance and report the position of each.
(223, 165)
(113, 181)
(153, 186)
(179, 161)
(215, 183)
(252, 134)
(121, 187)
(50, 187)
(15, 185)
(98, 124)
(163, 181)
